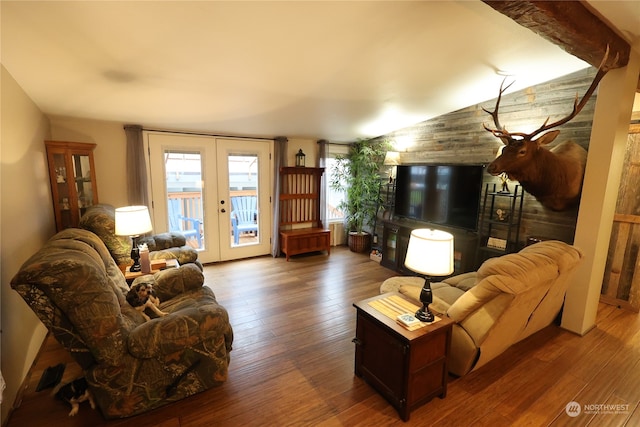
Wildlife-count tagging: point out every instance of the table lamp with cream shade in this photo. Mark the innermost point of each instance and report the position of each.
(429, 253)
(133, 221)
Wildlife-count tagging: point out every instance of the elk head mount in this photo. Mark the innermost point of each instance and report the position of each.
(553, 176)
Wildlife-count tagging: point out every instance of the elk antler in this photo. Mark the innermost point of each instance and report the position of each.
(502, 133)
(499, 131)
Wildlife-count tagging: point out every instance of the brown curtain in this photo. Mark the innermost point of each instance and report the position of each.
(136, 167)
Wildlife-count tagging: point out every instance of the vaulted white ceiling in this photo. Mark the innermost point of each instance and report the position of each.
(337, 70)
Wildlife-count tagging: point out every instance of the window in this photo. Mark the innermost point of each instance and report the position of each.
(334, 197)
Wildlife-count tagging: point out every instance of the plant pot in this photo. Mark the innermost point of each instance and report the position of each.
(359, 242)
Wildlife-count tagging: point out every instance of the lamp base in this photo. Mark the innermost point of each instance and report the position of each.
(425, 315)
(426, 298)
(135, 256)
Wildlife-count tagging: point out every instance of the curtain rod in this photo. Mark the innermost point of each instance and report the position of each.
(207, 134)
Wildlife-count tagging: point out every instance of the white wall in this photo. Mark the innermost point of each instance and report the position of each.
(308, 146)
(27, 221)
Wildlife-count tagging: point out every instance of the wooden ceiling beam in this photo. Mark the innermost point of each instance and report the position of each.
(570, 25)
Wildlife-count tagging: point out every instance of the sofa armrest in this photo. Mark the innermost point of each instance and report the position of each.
(172, 282)
(184, 254)
(195, 319)
(161, 241)
(480, 295)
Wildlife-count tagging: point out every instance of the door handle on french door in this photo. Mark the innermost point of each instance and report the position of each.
(223, 210)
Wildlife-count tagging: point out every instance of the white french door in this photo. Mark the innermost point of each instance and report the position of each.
(244, 194)
(195, 183)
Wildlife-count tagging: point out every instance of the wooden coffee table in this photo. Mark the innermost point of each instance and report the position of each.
(408, 368)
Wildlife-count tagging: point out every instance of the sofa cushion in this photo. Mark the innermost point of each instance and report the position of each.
(464, 281)
(524, 268)
(100, 220)
(447, 294)
(393, 284)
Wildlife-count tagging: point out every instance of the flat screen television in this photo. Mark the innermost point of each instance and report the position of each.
(440, 194)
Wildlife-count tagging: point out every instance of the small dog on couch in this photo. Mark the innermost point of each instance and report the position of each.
(142, 296)
(74, 393)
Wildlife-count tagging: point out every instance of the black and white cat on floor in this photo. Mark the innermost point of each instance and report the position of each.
(74, 393)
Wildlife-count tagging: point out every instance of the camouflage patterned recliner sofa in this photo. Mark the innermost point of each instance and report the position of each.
(76, 289)
(101, 220)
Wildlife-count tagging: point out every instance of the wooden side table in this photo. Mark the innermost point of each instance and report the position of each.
(408, 368)
(156, 265)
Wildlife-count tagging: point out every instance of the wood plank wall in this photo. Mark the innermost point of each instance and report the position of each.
(459, 137)
(621, 283)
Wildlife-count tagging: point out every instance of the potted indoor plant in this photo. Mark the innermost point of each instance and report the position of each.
(358, 175)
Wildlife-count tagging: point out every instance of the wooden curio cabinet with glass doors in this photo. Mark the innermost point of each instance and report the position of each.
(73, 180)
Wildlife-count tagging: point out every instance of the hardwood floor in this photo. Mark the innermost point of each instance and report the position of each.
(292, 362)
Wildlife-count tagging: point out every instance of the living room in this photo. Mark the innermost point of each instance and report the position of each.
(26, 200)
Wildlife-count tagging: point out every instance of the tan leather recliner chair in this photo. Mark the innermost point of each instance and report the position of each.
(505, 301)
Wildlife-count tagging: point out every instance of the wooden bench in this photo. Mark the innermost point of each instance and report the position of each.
(304, 240)
(301, 229)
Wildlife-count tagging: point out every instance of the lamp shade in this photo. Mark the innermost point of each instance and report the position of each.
(430, 252)
(132, 221)
(392, 158)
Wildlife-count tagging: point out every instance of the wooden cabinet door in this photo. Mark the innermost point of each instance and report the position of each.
(73, 180)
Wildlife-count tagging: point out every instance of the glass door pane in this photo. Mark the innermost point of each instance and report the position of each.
(82, 178)
(244, 195)
(64, 201)
(184, 184)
